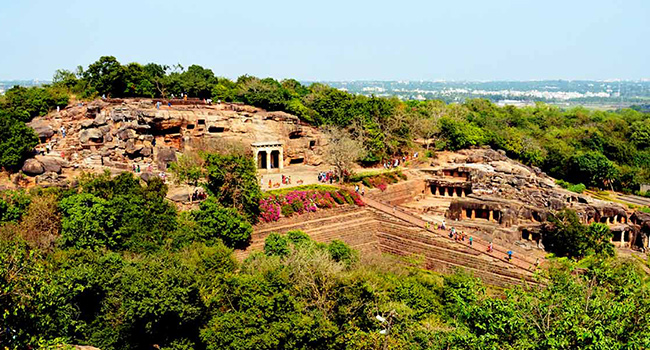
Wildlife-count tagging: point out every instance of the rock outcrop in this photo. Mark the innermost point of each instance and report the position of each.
(118, 134)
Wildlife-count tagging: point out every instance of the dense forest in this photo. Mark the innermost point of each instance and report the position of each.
(112, 264)
(602, 149)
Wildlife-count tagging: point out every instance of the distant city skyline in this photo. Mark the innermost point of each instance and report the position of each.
(503, 40)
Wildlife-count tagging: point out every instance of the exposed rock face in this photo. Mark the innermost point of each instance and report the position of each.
(51, 164)
(52, 179)
(120, 133)
(42, 129)
(33, 167)
(489, 190)
(87, 135)
(166, 155)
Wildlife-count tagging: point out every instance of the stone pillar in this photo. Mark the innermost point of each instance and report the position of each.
(281, 160)
(491, 218)
(463, 214)
(268, 160)
(622, 239)
(453, 191)
(473, 214)
(615, 219)
(257, 162)
(437, 192)
(607, 220)
(462, 192)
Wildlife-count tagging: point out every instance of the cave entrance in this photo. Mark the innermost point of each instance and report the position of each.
(216, 129)
(297, 161)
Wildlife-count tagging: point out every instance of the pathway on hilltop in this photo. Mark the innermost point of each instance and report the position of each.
(498, 252)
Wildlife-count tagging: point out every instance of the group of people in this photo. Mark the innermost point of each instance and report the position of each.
(394, 163)
(326, 176)
(197, 195)
(460, 236)
(361, 191)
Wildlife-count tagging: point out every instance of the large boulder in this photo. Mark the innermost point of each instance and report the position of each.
(126, 134)
(44, 131)
(166, 155)
(50, 164)
(50, 179)
(91, 134)
(99, 120)
(33, 167)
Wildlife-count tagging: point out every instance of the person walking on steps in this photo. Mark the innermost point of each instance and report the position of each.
(509, 255)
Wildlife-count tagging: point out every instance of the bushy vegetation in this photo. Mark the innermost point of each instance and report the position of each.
(565, 236)
(303, 199)
(303, 294)
(379, 180)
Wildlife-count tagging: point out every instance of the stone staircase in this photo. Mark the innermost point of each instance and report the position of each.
(353, 225)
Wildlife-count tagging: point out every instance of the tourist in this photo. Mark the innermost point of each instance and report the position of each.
(356, 189)
(133, 166)
(509, 255)
(63, 131)
(363, 191)
(490, 248)
(138, 169)
(58, 109)
(537, 263)
(470, 240)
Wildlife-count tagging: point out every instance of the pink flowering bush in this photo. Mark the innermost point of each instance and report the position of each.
(275, 206)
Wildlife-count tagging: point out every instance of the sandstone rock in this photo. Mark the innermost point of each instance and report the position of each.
(166, 155)
(126, 134)
(86, 124)
(43, 130)
(90, 134)
(33, 167)
(179, 194)
(100, 120)
(147, 176)
(50, 164)
(51, 179)
(146, 151)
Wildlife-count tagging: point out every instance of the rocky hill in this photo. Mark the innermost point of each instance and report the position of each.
(122, 134)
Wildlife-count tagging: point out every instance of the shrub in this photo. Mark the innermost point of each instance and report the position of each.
(298, 237)
(276, 244)
(287, 210)
(226, 224)
(579, 188)
(341, 252)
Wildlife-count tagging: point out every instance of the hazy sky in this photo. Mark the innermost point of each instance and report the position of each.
(335, 40)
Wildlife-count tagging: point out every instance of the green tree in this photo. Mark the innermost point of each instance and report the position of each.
(226, 224)
(276, 244)
(233, 180)
(17, 141)
(565, 236)
(593, 167)
(106, 76)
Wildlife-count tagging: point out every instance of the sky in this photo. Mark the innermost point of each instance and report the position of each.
(332, 40)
